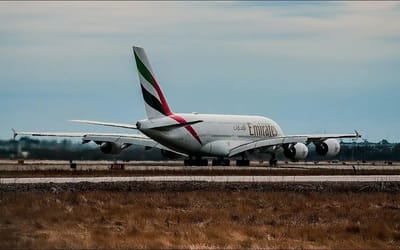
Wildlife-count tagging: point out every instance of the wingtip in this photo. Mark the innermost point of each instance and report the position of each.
(79, 121)
(14, 133)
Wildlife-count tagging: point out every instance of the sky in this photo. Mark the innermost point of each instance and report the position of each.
(313, 67)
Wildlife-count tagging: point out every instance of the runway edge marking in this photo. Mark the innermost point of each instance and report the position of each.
(247, 179)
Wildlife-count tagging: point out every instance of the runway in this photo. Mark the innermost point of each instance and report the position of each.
(43, 165)
(211, 179)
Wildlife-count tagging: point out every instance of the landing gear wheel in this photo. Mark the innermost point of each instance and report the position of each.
(243, 162)
(195, 162)
(221, 162)
(273, 162)
(202, 162)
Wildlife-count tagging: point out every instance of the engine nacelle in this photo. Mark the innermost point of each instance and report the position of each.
(298, 151)
(328, 148)
(110, 148)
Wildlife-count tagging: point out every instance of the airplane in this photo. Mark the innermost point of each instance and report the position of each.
(200, 137)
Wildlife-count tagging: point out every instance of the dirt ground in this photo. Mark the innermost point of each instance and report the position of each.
(199, 219)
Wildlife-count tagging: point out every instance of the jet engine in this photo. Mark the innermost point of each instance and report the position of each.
(329, 147)
(298, 151)
(111, 148)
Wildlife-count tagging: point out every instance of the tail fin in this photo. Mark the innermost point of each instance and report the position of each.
(154, 100)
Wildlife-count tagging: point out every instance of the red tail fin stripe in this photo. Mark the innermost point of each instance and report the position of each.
(162, 98)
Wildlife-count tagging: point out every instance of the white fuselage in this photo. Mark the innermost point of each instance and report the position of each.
(214, 135)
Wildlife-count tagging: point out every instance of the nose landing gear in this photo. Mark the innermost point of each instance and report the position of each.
(273, 161)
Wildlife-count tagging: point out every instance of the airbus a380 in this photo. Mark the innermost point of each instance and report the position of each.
(202, 136)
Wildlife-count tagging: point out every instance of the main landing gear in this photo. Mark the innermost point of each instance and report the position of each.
(242, 163)
(221, 162)
(226, 162)
(195, 162)
(215, 162)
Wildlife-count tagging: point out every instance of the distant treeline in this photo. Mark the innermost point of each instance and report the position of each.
(68, 150)
(363, 151)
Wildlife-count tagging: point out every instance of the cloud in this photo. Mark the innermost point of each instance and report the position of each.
(343, 32)
(262, 52)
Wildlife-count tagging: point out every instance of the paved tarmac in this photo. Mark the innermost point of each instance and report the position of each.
(38, 165)
(247, 179)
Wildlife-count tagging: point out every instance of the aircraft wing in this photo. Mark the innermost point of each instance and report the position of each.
(266, 143)
(111, 124)
(321, 137)
(128, 139)
(277, 141)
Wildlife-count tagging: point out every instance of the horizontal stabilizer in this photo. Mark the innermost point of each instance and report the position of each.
(173, 126)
